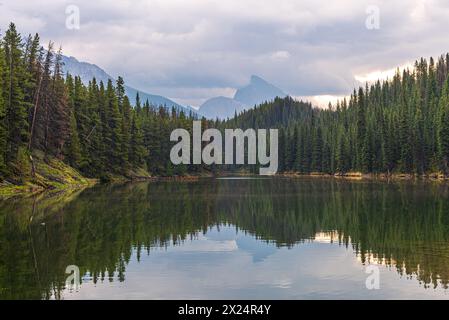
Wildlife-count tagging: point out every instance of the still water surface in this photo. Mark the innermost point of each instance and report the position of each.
(274, 238)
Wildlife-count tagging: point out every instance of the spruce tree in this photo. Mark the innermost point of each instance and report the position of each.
(114, 130)
(16, 111)
(73, 149)
(136, 149)
(59, 112)
(3, 124)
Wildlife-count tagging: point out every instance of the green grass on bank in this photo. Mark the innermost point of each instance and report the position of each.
(50, 174)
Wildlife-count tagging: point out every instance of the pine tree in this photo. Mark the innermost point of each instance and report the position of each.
(138, 104)
(59, 112)
(83, 111)
(40, 112)
(444, 138)
(125, 111)
(114, 128)
(16, 111)
(443, 128)
(137, 149)
(281, 150)
(299, 150)
(92, 143)
(317, 152)
(73, 149)
(32, 57)
(361, 130)
(343, 161)
(3, 124)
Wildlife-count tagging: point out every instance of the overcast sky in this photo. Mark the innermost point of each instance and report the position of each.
(191, 50)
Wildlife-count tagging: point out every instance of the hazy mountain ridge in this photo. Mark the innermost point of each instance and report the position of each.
(87, 71)
(221, 107)
(256, 92)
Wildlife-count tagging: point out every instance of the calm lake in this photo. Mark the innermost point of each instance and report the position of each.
(259, 238)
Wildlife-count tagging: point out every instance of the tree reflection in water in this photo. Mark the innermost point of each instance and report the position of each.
(404, 225)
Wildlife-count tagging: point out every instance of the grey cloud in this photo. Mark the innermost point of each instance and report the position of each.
(172, 46)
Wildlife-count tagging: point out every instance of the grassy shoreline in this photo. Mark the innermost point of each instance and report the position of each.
(54, 176)
(437, 177)
(50, 175)
(9, 190)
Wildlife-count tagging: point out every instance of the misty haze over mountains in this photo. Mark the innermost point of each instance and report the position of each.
(256, 92)
(87, 71)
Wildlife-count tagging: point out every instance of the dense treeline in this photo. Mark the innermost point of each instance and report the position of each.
(398, 125)
(92, 127)
(118, 138)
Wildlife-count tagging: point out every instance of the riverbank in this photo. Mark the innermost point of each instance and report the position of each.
(369, 176)
(50, 174)
(54, 176)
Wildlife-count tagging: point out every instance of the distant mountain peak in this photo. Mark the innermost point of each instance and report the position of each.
(256, 92)
(256, 79)
(221, 107)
